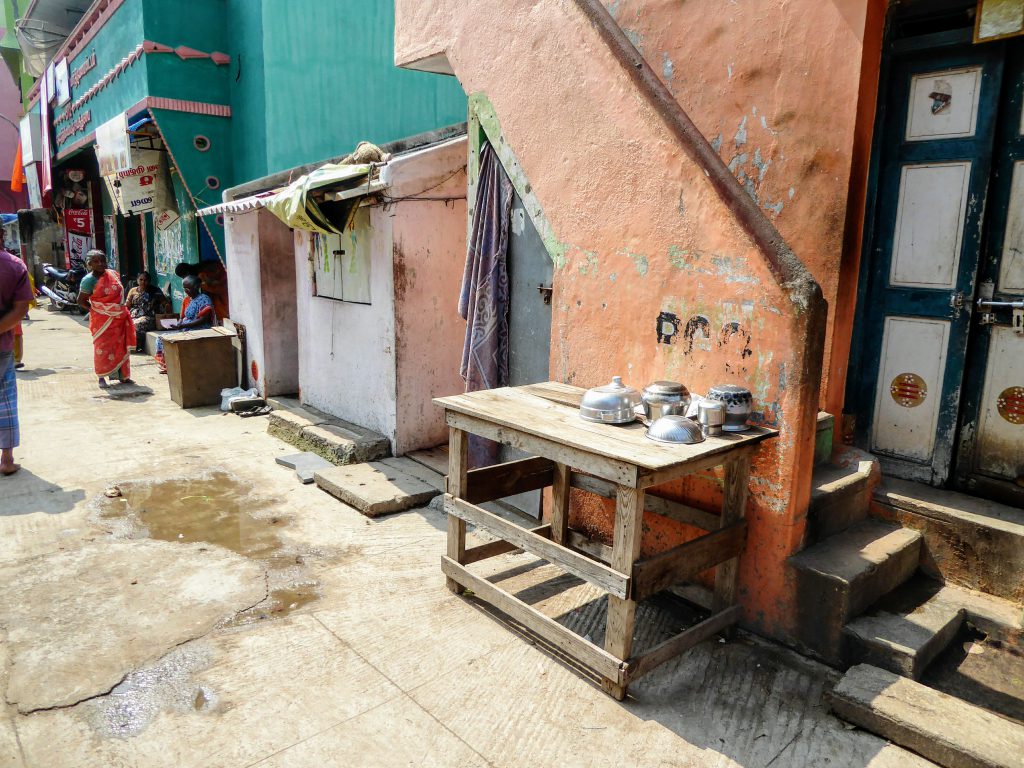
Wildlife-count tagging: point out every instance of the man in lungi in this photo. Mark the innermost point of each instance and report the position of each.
(15, 297)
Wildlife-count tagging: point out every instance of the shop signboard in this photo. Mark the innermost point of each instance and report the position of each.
(78, 220)
(62, 81)
(113, 150)
(143, 186)
(77, 246)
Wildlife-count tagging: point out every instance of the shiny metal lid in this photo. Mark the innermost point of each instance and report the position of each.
(675, 429)
(611, 397)
(666, 388)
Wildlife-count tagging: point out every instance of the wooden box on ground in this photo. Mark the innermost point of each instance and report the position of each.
(199, 365)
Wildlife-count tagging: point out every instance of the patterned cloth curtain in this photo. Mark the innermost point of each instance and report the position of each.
(483, 302)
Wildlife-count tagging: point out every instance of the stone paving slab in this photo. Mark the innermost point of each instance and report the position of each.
(305, 465)
(942, 728)
(375, 488)
(414, 468)
(287, 425)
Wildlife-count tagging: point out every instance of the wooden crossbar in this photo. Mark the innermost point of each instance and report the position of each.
(508, 479)
(606, 578)
(680, 563)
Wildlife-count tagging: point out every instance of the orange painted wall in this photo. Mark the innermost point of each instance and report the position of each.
(640, 230)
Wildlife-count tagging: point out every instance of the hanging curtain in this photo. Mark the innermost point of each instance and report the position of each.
(483, 302)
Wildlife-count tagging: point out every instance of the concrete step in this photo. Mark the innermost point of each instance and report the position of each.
(376, 488)
(305, 465)
(968, 541)
(337, 441)
(840, 497)
(838, 578)
(908, 628)
(940, 727)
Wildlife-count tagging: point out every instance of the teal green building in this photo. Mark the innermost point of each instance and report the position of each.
(230, 90)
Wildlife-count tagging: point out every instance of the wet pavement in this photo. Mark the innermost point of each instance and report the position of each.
(240, 618)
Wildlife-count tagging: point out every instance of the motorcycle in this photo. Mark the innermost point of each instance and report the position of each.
(60, 286)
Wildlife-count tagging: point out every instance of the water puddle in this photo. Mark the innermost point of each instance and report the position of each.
(218, 510)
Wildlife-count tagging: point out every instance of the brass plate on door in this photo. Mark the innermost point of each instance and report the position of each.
(908, 390)
(1010, 404)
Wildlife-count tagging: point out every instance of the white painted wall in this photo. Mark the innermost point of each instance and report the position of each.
(347, 351)
(242, 238)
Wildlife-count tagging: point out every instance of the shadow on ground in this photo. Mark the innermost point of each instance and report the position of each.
(25, 493)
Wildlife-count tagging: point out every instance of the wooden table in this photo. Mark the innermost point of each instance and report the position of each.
(616, 462)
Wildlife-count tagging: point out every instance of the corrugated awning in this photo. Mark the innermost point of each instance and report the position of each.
(293, 204)
(241, 205)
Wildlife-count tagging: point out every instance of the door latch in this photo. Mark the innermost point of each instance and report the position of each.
(545, 293)
(956, 301)
(988, 317)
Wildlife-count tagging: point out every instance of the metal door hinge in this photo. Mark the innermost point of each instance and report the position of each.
(956, 301)
(545, 293)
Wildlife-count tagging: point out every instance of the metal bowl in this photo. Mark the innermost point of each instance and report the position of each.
(675, 429)
(611, 404)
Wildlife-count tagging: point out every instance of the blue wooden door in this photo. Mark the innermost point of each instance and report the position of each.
(990, 460)
(935, 144)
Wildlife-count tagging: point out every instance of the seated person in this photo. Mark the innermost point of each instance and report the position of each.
(145, 301)
(214, 281)
(196, 312)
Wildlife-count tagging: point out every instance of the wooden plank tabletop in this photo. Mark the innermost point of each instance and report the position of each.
(554, 417)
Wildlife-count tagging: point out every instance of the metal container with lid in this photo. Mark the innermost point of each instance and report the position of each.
(711, 416)
(675, 429)
(738, 403)
(664, 398)
(613, 403)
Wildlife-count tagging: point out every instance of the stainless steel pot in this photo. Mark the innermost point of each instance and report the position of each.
(665, 398)
(613, 403)
(711, 416)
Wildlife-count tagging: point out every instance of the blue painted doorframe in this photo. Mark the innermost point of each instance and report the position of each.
(878, 299)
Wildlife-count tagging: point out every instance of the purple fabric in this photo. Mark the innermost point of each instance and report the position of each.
(483, 302)
(14, 287)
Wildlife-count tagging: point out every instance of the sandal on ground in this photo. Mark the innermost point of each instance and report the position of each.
(260, 410)
(103, 383)
(127, 381)
(19, 366)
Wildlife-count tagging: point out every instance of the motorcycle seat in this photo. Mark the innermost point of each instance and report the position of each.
(58, 274)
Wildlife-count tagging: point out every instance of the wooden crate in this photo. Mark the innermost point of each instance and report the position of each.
(199, 365)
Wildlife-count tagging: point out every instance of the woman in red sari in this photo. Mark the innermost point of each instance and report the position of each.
(110, 322)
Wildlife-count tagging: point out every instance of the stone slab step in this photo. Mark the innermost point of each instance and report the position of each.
(337, 441)
(838, 578)
(840, 497)
(434, 458)
(907, 630)
(375, 488)
(414, 468)
(305, 464)
(940, 727)
(971, 542)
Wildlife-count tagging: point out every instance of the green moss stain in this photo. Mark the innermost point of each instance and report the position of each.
(484, 124)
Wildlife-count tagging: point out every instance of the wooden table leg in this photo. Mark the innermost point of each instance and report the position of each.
(629, 518)
(458, 471)
(737, 475)
(560, 504)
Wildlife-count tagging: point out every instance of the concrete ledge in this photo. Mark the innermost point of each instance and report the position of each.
(942, 728)
(343, 444)
(840, 497)
(288, 425)
(968, 541)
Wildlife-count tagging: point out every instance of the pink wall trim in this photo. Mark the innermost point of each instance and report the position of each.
(145, 47)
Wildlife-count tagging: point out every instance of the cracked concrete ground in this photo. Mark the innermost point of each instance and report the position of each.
(354, 653)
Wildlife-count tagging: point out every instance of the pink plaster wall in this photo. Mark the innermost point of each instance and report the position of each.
(280, 370)
(773, 84)
(429, 252)
(644, 231)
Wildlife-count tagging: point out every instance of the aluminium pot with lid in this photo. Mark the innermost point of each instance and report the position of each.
(611, 404)
(664, 398)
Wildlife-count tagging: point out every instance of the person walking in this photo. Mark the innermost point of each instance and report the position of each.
(15, 297)
(113, 333)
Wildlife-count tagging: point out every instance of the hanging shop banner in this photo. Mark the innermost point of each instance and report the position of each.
(144, 186)
(62, 82)
(113, 150)
(77, 247)
(78, 220)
